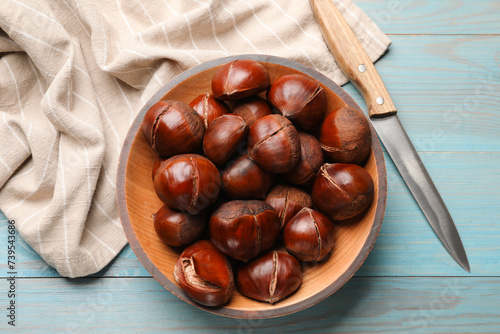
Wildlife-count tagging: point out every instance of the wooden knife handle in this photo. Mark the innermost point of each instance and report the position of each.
(352, 58)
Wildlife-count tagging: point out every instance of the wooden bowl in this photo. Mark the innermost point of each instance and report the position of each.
(137, 201)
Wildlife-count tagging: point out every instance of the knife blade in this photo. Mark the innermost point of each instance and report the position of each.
(357, 66)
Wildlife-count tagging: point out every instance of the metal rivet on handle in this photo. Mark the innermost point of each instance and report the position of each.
(362, 68)
(380, 100)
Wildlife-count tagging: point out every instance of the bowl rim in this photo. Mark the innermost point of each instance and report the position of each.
(224, 311)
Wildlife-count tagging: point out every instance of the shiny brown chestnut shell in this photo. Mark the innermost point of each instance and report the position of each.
(345, 136)
(252, 108)
(156, 166)
(311, 159)
(309, 235)
(287, 201)
(240, 79)
(205, 274)
(341, 191)
(299, 98)
(223, 137)
(176, 228)
(172, 127)
(274, 144)
(244, 229)
(187, 182)
(270, 278)
(209, 108)
(244, 179)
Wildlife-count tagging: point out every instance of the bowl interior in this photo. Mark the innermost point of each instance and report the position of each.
(138, 201)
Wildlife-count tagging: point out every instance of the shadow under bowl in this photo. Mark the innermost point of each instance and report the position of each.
(137, 201)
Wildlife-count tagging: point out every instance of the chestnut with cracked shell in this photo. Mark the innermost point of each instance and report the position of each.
(176, 228)
(274, 144)
(300, 99)
(270, 278)
(205, 274)
(342, 191)
(244, 179)
(287, 201)
(240, 79)
(244, 229)
(187, 182)
(209, 108)
(345, 136)
(223, 137)
(172, 127)
(252, 108)
(311, 159)
(309, 235)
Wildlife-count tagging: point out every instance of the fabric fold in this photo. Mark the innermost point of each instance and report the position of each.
(73, 76)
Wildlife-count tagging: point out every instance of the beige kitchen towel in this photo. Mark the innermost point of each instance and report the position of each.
(73, 76)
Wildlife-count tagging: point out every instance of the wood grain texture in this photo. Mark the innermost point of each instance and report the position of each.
(447, 91)
(433, 17)
(363, 305)
(351, 56)
(433, 81)
(406, 246)
(137, 201)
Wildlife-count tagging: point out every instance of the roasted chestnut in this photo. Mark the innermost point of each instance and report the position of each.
(172, 127)
(252, 108)
(223, 137)
(287, 201)
(205, 274)
(244, 229)
(156, 165)
(309, 235)
(345, 136)
(311, 159)
(274, 144)
(209, 108)
(299, 98)
(244, 179)
(187, 182)
(239, 79)
(270, 278)
(177, 228)
(341, 191)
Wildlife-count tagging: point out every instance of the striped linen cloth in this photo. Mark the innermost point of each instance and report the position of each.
(74, 74)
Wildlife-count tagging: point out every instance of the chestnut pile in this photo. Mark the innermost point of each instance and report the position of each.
(249, 171)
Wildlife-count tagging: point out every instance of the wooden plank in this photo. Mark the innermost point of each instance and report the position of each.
(363, 305)
(433, 17)
(406, 246)
(446, 89)
(431, 91)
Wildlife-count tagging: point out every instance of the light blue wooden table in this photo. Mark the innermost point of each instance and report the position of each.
(443, 72)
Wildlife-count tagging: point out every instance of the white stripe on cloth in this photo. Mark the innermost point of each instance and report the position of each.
(111, 250)
(76, 73)
(21, 109)
(316, 38)
(34, 38)
(64, 213)
(4, 163)
(275, 35)
(40, 180)
(238, 30)
(92, 258)
(15, 134)
(213, 26)
(356, 18)
(114, 221)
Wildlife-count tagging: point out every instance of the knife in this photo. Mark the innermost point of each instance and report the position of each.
(357, 66)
